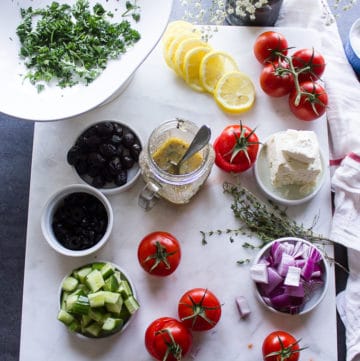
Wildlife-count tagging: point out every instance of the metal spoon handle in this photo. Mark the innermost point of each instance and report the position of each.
(202, 137)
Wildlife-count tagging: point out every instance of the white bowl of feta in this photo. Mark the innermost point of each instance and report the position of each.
(290, 168)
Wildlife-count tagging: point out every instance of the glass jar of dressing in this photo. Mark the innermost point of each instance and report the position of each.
(166, 145)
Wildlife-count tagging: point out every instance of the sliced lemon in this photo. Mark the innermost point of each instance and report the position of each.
(181, 51)
(191, 66)
(169, 51)
(213, 66)
(174, 28)
(235, 92)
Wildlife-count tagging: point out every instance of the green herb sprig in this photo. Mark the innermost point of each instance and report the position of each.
(70, 44)
(266, 221)
(133, 10)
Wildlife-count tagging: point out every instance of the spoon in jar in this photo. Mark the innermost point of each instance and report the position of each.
(201, 139)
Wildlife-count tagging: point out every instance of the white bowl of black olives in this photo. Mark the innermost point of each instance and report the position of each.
(105, 155)
(77, 220)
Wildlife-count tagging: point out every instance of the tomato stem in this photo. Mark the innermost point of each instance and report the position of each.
(160, 256)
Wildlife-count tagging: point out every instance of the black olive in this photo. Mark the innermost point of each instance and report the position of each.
(116, 139)
(107, 150)
(104, 128)
(115, 166)
(94, 171)
(127, 161)
(98, 181)
(74, 154)
(81, 167)
(135, 150)
(118, 129)
(128, 139)
(121, 178)
(92, 142)
(96, 160)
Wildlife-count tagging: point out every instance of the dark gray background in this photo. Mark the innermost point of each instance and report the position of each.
(16, 137)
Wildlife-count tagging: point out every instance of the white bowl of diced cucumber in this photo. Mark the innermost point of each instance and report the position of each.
(97, 300)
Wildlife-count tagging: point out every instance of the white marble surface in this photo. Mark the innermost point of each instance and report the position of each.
(156, 95)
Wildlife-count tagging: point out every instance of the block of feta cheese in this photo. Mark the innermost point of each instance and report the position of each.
(294, 158)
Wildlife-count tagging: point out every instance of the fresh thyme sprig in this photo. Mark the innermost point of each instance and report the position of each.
(266, 221)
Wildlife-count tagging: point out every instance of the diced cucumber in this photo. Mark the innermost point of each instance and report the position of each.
(107, 270)
(131, 304)
(74, 326)
(86, 320)
(65, 317)
(111, 324)
(82, 273)
(125, 289)
(92, 300)
(96, 315)
(115, 307)
(93, 329)
(69, 284)
(77, 304)
(95, 280)
(111, 297)
(97, 299)
(111, 284)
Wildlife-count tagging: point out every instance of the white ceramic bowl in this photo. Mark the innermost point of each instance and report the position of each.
(286, 195)
(132, 174)
(55, 201)
(126, 277)
(352, 46)
(316, 296)
(55, 103)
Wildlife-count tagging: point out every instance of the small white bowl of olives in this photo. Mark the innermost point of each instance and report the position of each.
(77, 220)
(105, 155)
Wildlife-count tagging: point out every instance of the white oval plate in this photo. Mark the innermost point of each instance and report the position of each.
(20, 99)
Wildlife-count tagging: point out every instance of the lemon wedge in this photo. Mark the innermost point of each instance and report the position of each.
(213, 66)
(184, 47)
(235, 92)
(191, 66)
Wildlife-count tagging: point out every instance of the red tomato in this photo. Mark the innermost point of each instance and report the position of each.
(167, 339)
(311, 61)
(276, 80)
(312, 101)
(268, 45)
(159, 253)
(280, 346)
(236, 148)
(199, 309)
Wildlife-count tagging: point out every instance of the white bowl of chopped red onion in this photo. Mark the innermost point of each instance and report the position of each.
(290, 276)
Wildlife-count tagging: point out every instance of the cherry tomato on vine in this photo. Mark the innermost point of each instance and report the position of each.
(236, 148)
(268, 44)
(159, 253)
(311, 61)
(276, 80)
(310, 103)
(199, 309)
(280, 346)
(167, 339)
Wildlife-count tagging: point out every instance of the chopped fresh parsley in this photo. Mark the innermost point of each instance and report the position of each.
(71, 44)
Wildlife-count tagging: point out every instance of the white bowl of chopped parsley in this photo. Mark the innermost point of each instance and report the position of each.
(66, 58)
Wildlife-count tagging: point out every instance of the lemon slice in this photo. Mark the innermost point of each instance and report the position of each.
(235, 92)
(191, 66)
(213, 66)
(174, 28)
(181, 51)
(170, 50)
